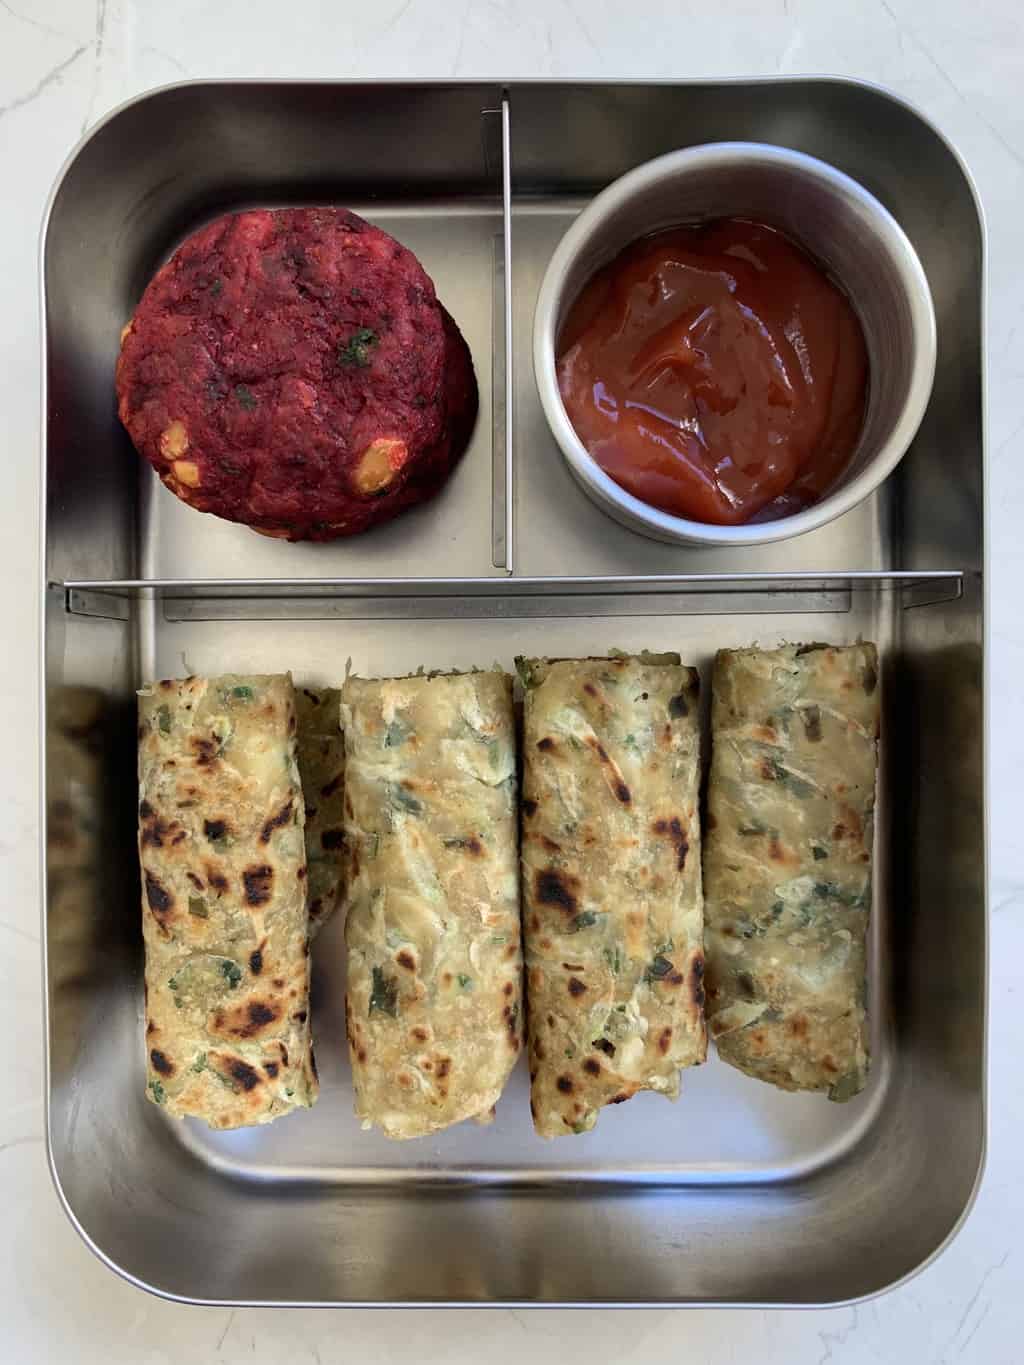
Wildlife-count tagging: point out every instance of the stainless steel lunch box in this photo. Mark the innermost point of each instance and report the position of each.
(737, 1194)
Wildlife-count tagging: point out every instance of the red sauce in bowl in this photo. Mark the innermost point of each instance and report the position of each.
(716, 372)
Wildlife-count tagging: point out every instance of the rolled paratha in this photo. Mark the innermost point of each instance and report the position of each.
(224, 900)
(611, 882)
(321, 755)
(787, 863)
(433, 1010)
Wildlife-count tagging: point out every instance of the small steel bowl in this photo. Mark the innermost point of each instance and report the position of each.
(840, 224)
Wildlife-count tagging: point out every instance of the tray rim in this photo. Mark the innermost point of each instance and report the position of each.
(505, 87)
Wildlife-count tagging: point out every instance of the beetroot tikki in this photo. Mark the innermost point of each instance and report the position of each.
(293, 370)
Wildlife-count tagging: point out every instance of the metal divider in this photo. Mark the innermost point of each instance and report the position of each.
(512, 596)
(506, 214)
(503, 416)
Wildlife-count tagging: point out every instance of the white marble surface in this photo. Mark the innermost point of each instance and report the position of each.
(63, 63)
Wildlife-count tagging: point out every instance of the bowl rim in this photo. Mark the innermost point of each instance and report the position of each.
(664, 525)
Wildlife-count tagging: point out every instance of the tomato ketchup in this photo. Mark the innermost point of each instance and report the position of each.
(716, 371)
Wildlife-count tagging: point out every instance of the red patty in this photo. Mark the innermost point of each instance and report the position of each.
(293, 370)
